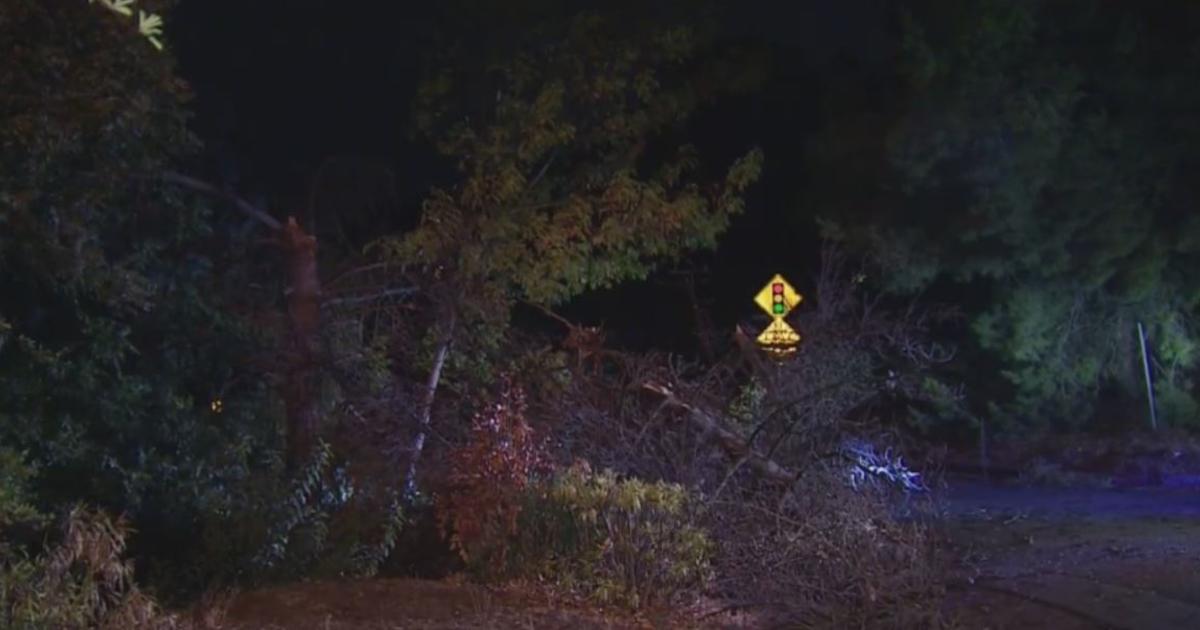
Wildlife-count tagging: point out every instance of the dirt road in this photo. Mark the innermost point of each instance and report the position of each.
(1075, 558)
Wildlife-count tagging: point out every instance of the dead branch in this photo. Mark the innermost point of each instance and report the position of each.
(369, 298)
(728, 439)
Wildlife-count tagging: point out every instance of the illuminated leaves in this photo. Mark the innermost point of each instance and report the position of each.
(481, 502)
(555, 196)
(149, 24)
(626, 540)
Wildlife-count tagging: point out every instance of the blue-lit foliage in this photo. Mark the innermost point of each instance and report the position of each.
(871, 468)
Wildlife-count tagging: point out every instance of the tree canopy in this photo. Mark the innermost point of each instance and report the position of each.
(558, 193)
(1044, 157)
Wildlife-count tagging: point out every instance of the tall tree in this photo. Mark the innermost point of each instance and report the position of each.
(570, 178)
(1044, 156)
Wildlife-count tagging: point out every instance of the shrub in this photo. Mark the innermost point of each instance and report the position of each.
(622, 541)
(83, 582)
(478, 507)
(317, 521)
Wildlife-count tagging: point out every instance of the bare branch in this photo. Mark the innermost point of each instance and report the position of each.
(729, 441)
(246, 207)
(373, 297)
(542, 173)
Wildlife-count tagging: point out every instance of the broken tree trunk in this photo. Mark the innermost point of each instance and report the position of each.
(734, 446)
(304, 319)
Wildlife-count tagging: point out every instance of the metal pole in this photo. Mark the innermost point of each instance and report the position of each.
(984, 464)
(1149, 380)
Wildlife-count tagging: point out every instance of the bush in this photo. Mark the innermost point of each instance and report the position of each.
(317, 521)
(622, 541)
(83, 582)
(478, 507)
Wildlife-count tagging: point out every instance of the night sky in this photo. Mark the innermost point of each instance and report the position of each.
(279, 91)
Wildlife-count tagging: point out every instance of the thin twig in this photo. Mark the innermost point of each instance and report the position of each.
(537, 178)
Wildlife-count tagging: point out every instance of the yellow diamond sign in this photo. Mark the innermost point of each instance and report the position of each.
(779, 334)
(778, 297)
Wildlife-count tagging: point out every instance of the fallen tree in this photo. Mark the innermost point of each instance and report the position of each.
(729, 440)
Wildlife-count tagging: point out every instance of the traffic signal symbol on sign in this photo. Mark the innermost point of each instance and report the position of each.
(778, 297)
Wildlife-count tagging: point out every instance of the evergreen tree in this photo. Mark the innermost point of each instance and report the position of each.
(1045, 157)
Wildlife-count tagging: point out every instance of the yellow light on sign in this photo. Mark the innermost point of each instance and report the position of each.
(217, 405)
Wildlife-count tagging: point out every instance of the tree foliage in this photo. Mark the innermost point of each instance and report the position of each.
(557, 193)
(116, 334)
(1044, 158)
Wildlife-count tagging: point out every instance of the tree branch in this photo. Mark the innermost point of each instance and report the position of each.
(542, 173)
(246, 207)
(359, 299)
(729, 441)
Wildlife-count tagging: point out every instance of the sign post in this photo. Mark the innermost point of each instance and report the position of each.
(778, 298)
